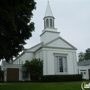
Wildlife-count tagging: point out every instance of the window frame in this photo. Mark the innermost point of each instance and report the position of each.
(47, 23)
(51, 23)
(60, 55)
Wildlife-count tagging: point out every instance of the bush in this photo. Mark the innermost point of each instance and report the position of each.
(35, 68)
(61, 78)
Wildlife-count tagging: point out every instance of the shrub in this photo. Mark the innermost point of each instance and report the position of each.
(35, 68)
(61, 78)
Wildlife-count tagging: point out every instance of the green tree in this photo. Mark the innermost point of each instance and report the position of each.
(35, 68)
(87, 54)
(81, 56)
(15, 26)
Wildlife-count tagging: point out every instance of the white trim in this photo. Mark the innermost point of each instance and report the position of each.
(60, 55)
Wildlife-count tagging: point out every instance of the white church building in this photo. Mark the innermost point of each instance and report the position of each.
(58, 55)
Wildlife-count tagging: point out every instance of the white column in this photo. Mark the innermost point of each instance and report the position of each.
(44, 63)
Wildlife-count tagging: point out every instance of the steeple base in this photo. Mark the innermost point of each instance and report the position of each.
(49, 35)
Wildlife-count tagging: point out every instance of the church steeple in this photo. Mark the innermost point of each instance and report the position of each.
(49, 18)
(50, 32)
(48, 11)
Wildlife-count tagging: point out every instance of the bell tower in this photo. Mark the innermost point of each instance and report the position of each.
(49, 18)
(50, 32)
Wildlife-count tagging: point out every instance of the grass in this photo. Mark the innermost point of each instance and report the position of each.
(42, 86)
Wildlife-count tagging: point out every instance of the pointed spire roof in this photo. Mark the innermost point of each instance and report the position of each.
(48, 10)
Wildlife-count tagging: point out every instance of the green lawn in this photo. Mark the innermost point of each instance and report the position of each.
(42, 86)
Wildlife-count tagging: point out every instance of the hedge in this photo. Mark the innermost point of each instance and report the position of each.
(61, 78)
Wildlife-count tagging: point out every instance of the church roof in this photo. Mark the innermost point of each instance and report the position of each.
(84, 63)
(36, 47)
(48, 11)
(63, 44)
(49, 45)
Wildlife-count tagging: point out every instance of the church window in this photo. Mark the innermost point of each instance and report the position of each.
(61, 64)
(47, 23)
(51, 23)
(24, 74)
(84, 72)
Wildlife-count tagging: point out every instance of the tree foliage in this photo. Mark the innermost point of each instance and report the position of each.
(84, 56)
(81, 56)
(87, 54)
(34, 67)
(14, 28)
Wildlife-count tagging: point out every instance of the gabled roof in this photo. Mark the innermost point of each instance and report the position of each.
(84, 63)
(18, 56)
(48, 11)
(47, 45)
(34, 48)
(61, 46)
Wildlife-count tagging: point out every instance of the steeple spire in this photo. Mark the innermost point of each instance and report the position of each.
(50, 32)
(49, 18)
(48, 10)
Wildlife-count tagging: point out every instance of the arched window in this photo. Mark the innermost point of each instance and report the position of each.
(47, 23)
(51, 23)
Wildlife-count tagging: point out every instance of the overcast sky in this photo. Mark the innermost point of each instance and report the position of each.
(72, 20)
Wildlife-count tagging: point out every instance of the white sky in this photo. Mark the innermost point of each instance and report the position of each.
(72, 20)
